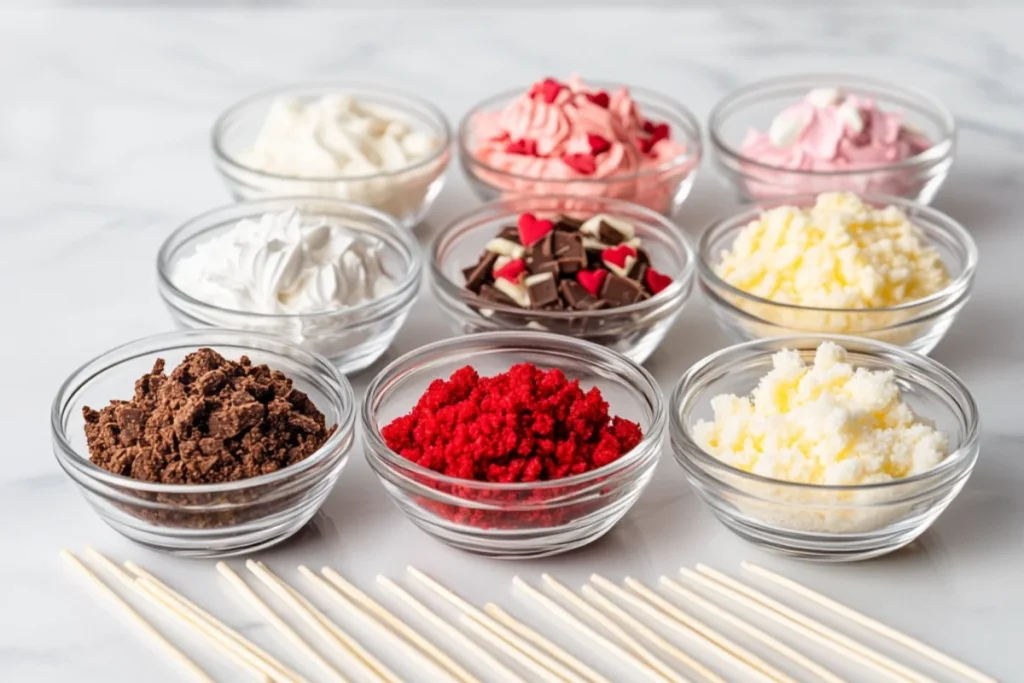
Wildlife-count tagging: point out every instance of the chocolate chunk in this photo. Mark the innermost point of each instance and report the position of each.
(620, 291)
(637, 271)
(542, 288)
(569, 252)
(510, 233)
(489, 293)
(643, 257)
(608, 234)
(478, 274)
(573, 292)
(567, 223)
(592, 304)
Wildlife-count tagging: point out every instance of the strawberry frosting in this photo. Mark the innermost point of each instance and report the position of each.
(832, 131)
(558, 132)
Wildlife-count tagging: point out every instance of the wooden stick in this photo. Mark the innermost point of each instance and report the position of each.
(621, 616)
(497, 628)
(177, 655)
(815, 626)
(485, 634)
(641, 653)
(449, 630)
(778, 618)
(371, 606)
(700, 633)
(270, 615)
(876, 626)
(577, 625)
(353, 652)
(215, 628)
(547, 645)
(732, 620)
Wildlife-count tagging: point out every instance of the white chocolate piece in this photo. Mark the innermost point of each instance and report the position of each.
(187, 664)
(276, 621)
(500, 263)
(539, 277)
(513, 290)
(504, 247)
(592, 226)
(388, 618)
(594, 244)
(624, 270)
(824, 97)
(795, 626)
(702, 634)
(350, 649)
(876, 626)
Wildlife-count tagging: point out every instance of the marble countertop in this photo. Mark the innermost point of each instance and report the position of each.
(104, 149)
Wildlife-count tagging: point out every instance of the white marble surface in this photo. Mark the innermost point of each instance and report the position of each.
(104, 126)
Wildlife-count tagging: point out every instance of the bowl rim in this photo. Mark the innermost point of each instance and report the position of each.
(377, 449)
(70, 456)
(165, 259)
(749, 212)
(692, 153)
(219, 126)
(940, 149)
(678, 287)
(690, 450)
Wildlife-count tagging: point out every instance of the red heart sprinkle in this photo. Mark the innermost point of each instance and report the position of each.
(512, 270)
(524, 146)
(532, 229)
(598, 144)
(584, 163)
(655, 281)
(591, 280)
(600, 98)
(548, 90)
(645, 144)
(618, 255)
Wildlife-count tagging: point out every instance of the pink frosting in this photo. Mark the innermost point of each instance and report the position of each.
(557, 133)
(828, 141)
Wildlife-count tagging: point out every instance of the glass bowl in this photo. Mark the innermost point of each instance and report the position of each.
(352, 338)
(662, 189)
(405, 193)
(515, 520)
(754, 106)
(203, 520)
(828, 523)
(634, 330)
(917, 325)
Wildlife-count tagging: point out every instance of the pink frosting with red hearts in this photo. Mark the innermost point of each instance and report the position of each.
(847, 133)
(568, 131)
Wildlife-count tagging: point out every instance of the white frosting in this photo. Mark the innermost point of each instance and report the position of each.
(824, 97)
(285, 263)
(786, 129)
(335, 136)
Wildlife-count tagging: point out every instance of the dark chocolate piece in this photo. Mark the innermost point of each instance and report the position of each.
(637, 271)
(643, 257)
(540, 256)
(477, 275)
(620, 291)
(567, 223)
(542, 289)
(510, 233)
(573, 292)
(489, 293)
(536, 268)
(609, 235)
(570, 252)
(592, 304)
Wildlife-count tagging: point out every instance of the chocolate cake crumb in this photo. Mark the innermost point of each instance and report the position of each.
(211, 421)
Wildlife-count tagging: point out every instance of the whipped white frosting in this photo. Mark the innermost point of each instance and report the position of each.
(286, 263)
(335, 136)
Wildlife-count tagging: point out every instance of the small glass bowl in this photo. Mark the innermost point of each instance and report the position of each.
(352, 338)
(662, 189)
(754, 106)
(916, 325)
(518, 520)
(634, 331)
(405, 193)
(204, 520)
(826, 523)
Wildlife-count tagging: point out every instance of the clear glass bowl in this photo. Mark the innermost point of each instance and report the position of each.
(754, 106)
(828, 523)
(519, 520)
(205, 520)
(917, 325)
(352, 338)
(405, 193)
(634, 331)
(662, 189)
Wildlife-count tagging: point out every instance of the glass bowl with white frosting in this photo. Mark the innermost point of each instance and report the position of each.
(829, 448)
(373, 146)
(336, 277)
